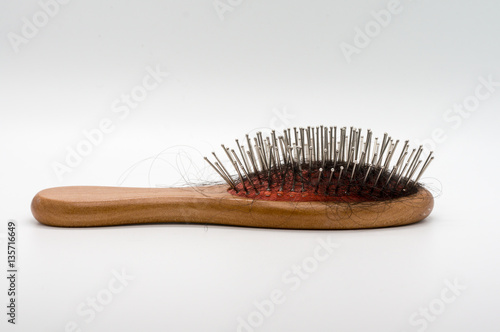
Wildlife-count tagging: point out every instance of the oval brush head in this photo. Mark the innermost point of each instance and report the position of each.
(306, 178)
(321, 164)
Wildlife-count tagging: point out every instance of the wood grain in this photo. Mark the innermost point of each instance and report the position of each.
(105, 206)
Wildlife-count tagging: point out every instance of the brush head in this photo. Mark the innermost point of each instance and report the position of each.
(322, 164)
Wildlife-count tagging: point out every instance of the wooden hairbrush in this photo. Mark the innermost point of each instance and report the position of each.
(307, 178)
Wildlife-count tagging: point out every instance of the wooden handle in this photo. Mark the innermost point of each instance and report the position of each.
(104, 206)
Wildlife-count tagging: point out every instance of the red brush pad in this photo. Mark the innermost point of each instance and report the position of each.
(347, 191)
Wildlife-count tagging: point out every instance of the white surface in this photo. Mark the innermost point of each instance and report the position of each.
(264, 60)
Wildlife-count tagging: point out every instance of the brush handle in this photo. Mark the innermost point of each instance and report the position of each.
(105, 206)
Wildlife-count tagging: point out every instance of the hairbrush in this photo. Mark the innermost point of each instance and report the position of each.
(305, 178)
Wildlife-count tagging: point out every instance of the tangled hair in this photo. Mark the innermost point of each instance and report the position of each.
(322, 164)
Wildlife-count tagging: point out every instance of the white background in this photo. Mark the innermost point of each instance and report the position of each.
(264, 64)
